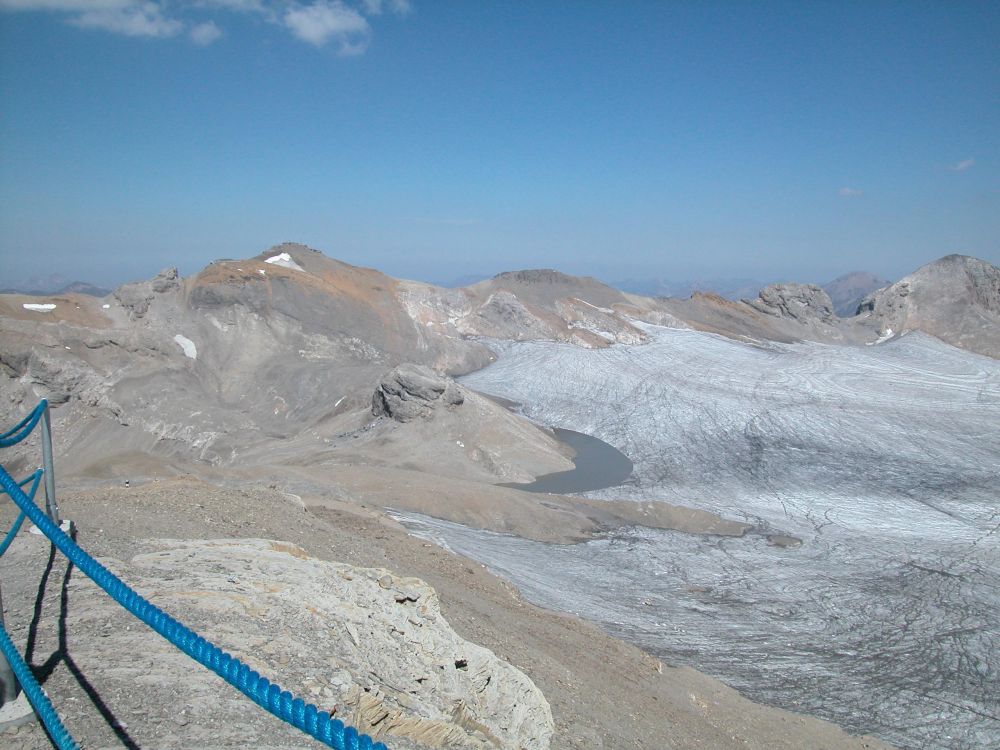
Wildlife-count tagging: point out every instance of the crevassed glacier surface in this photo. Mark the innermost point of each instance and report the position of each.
(883, 460)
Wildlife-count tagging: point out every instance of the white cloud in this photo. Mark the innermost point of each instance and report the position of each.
(140, 19)
(327, 20)
(316, 22)
(241, 6)
(962, 165)
(64, 5)
(205, 33)
(849, 192)
(374, 7)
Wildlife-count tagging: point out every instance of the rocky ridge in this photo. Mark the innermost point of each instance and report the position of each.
(207, 367)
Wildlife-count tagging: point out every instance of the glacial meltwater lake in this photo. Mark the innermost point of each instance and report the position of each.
(884, 460)
(597, 466)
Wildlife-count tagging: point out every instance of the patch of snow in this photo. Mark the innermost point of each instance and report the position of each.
(459, 443)
(37, 307)
(106, 306)
(607, 310)
(262, 272)
(285, 261)
(886, 335)
(187, 345)
(339, 401)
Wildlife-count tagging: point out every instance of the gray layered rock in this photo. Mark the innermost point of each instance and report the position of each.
(414, 392)
(137, 297)
(371, 647)
(804, 303)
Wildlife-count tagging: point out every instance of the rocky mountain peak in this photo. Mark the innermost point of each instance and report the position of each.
(956, 298)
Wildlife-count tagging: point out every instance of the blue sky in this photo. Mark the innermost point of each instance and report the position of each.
(771, 140)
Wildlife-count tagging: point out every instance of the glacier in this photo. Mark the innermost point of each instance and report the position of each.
(868, 591)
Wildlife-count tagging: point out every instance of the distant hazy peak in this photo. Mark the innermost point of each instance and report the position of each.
(848, 291)
(541, 276)
(856, 278)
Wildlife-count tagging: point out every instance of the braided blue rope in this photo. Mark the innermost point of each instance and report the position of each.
(37, 476)
(36, 696)
(317, 724)
(16, 434)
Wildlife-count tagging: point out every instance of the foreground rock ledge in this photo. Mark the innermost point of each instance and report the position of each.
(372, 647)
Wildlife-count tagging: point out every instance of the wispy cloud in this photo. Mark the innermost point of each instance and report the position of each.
(849, 192)
(64, 5)
(205, 33)
(329, 20)
(140, 19)
(962, 165)
(340, 24)
(374, 7)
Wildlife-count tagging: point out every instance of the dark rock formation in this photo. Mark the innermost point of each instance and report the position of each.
(413, 391)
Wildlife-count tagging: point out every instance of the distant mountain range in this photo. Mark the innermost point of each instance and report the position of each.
(733, 289)
(34, 289)
(846, 292)
(248, 350)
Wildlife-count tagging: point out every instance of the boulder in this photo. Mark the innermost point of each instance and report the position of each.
(802, 302)
(414, 392)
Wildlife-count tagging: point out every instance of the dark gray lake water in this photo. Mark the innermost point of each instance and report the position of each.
(598, 465)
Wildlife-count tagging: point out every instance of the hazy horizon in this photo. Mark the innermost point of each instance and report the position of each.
(773, 141)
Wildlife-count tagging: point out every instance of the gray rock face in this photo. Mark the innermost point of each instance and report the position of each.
(136, 297)
(805, 303)
(956, 299)
(370, 646)
(414, 392)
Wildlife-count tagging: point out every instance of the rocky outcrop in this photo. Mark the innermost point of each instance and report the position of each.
(371, 647)
(805, 303)
(136, 297)
(414, 392)
(956, 299)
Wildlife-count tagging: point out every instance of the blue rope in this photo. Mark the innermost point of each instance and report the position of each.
(317, 724)
(24, 427)
(36, 696)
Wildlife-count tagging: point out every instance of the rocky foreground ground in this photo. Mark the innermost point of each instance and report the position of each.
(299, 618)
